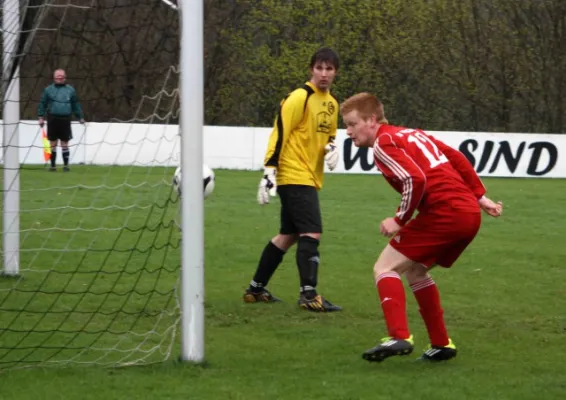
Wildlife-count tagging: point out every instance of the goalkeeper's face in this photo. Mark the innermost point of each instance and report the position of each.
(323, 75)
(361, 131)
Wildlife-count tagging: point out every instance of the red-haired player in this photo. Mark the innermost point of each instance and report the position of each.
(441, 184)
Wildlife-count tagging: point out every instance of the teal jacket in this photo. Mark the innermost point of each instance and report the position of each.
(60, 101)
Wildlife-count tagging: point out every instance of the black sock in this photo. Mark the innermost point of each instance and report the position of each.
(66, 156)
(270, 259)
(307, 262)
(53, 158)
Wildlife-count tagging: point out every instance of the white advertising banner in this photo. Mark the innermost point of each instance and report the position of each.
(492, 154)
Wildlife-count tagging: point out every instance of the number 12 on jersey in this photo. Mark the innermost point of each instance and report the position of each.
(428, 148)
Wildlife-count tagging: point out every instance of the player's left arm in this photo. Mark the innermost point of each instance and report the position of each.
(331, 151)
(463, 166)
(76, 105)
(396, 163)
(471, 178)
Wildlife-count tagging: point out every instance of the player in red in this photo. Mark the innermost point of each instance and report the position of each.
(441, 184)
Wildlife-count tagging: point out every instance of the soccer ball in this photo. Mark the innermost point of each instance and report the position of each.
(208, 180)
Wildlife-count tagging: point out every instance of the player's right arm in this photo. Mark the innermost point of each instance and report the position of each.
(290, 116)
(42, 106)
(396, 164)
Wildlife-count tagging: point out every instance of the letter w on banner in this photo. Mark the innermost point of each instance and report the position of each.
(46, 145)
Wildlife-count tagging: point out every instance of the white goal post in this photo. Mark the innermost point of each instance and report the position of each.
(192, 218)
(93, 255)
(11, 114)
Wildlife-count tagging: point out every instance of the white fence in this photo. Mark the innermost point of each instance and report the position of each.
(493, 154)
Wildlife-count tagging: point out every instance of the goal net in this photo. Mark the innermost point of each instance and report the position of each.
(99, 247)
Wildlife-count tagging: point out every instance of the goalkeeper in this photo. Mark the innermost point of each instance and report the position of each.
(301, 141)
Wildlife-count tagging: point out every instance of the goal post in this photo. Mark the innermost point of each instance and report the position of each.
(192, 218)
(102, 273)
(11, 121)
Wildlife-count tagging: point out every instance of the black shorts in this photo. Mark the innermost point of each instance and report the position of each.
(59, 128)
(300, 209)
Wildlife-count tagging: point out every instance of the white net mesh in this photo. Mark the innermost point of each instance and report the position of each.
(99, 257)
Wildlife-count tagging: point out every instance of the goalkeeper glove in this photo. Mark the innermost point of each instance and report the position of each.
(332, 155)
(267, 185)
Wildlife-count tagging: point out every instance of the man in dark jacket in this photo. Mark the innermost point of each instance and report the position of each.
(58, 103)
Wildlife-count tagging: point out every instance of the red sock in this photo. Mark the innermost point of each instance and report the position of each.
(392, 295)
(428, 297)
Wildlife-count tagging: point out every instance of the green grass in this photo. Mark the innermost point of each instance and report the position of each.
(505, 301)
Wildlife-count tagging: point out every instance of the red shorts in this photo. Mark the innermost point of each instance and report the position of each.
(437, 239)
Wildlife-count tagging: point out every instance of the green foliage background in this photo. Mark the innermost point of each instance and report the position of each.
(488, 65)
(441, 64)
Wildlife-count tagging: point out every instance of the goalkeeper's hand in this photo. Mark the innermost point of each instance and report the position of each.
(331, 155)
(267, 185)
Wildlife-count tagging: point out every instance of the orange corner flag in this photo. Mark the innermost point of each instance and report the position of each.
(46, 146)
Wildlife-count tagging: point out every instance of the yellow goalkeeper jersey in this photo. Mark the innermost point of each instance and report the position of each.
(306, 122)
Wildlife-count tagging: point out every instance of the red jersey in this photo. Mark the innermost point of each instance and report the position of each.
(428, 174)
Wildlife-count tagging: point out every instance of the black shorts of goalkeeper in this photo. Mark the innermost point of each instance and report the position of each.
(300, 209)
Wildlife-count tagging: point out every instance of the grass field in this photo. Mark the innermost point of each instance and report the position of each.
(505, 300)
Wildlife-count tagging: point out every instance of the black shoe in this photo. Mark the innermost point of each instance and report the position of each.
(53, 169)
(66, 169)
(317, 304)
(437, 353)
(389, 347)
(259, 297)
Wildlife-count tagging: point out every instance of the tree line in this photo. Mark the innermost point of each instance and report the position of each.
(470, 65)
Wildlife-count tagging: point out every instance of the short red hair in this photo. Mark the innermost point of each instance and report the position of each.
(366, 104)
